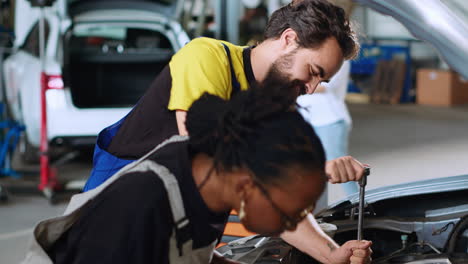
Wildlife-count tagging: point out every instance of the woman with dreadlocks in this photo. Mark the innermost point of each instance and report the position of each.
(254, 154)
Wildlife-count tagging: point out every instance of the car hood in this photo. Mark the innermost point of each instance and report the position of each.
(432, 186)
(432, 21)
(419, 222)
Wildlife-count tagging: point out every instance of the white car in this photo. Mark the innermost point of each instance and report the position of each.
(100, 58)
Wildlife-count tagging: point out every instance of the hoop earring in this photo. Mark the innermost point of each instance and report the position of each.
(242, 213)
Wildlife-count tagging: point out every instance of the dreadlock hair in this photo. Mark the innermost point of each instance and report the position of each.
(258, 129)
(314, 21)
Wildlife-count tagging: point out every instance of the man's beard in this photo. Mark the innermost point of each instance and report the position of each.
(276, 78)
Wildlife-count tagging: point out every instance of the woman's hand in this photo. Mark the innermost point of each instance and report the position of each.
(354, 252)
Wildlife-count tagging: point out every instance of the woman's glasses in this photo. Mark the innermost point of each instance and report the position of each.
(290, 223)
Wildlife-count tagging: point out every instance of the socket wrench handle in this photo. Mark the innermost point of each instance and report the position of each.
(362, 193)
(363, 180)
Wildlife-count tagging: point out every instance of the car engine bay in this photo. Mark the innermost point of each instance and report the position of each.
(421, 228)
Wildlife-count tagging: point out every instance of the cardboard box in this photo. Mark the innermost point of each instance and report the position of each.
(440, 88)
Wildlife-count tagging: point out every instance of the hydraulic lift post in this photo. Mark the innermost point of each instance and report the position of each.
(48, 181)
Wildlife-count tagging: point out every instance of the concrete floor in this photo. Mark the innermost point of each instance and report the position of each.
(402, 143)
(405, 143)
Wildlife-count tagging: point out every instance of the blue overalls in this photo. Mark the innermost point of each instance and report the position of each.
(105, 164)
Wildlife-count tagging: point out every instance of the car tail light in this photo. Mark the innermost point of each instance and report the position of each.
(53, 81)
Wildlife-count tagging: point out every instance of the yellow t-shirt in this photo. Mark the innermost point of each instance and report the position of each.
(203, 66)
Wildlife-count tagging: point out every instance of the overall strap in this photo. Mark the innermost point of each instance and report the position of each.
(181, 222)
(234, 82)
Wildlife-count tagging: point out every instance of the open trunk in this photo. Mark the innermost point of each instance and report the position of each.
(170, 8)
(112, 66)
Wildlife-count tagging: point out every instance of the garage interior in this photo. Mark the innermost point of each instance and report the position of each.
(403, 124)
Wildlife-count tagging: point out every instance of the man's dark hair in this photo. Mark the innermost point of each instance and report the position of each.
(314, 21)
(257, 129)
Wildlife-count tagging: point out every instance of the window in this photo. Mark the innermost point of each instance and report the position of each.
(31, 45)
(120, 39)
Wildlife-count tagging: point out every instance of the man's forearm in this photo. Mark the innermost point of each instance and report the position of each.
(181, 115)
(310, 239)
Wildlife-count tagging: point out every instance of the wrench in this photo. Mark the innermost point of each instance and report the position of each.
(362, 190)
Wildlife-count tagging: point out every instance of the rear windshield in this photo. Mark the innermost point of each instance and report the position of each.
(118, 39)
